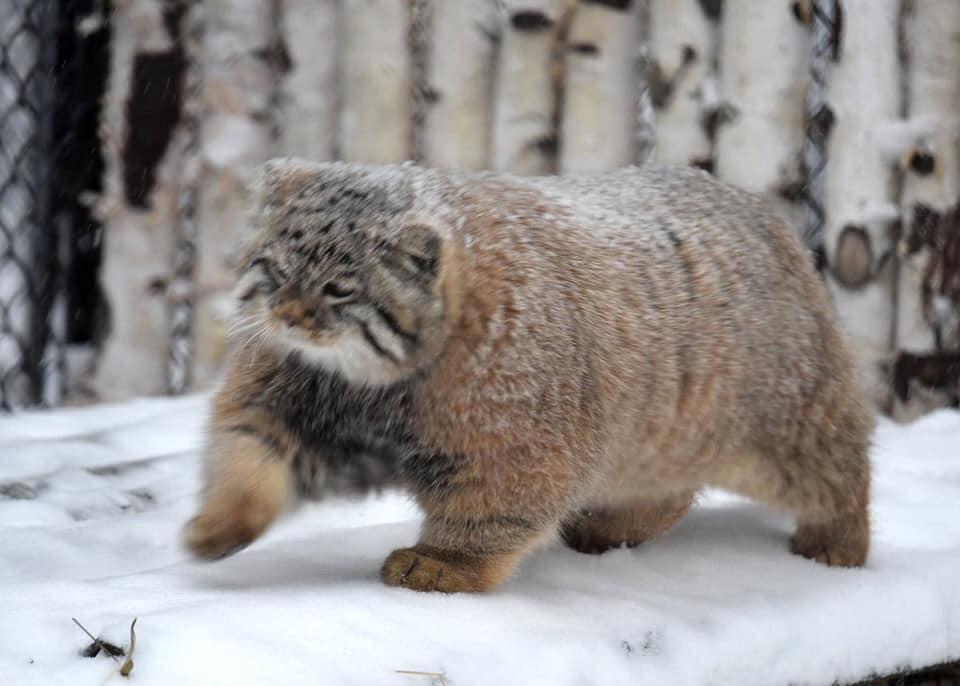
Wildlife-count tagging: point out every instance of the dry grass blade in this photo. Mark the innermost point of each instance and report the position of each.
(127, 665)
(436, 677)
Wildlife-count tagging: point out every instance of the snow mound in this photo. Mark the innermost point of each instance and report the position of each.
(91, 502)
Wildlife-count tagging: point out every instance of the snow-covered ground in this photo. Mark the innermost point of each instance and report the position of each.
(91, 502)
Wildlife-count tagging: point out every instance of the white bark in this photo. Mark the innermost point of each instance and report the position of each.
(600, 95)
(138, 242)
(863, 93)
(376, 91)
(460, 79)
(239, 93)
(934, 105)
(763, 78)
(683, 85)
(308, 92)
(931, 179)
(524, 136)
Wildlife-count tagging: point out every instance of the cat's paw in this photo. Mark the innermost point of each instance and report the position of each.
(419, 571)
(214, 538)
(229, 521)
(835, 546)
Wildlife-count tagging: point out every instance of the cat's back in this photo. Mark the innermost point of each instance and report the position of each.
(677, 286)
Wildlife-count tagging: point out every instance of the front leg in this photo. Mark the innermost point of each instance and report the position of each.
(459, 564)
(477, 526)
(248, 482)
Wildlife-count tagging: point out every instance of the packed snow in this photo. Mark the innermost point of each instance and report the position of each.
(92, 501)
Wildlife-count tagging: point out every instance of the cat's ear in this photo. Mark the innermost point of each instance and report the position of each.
(281, 179)
(419, 245)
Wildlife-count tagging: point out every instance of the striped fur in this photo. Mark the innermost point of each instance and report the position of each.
(530, 356)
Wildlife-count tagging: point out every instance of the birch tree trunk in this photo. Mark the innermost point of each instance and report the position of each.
(645, 124)
(682, 80)
(183, 290)
(524, 124)
(376, 81)
(460, 78)
(240, 93)
(863, 94)
(763, 78)
(139, 201)
(308, 102)
(600, 95)
(928, 302)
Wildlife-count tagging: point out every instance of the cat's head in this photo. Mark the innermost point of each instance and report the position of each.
(349, 266)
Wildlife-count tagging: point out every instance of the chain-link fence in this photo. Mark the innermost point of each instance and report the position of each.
(27, 248)
(53, 62)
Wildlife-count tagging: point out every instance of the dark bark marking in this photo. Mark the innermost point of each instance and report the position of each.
(922, 162)
(712, 8)
(585, 48)
(152, 114)
(530, 20)
(792, 191)
(621, 5)
(939, 371)
(717, 117)
(660, 87)
(704, 163)
(548, 145)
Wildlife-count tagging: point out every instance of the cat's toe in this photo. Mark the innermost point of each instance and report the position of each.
(419, 572)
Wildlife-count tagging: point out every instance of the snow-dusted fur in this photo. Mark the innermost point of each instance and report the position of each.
(578, 354)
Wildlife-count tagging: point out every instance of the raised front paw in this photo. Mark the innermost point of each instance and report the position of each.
(426, 570)
(213, 538)
(229, 521)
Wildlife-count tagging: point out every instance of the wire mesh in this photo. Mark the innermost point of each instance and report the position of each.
(28, 272)
(53, 64)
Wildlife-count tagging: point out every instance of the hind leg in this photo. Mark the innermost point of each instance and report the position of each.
(598, 529)
(833, 527)
(828, 492)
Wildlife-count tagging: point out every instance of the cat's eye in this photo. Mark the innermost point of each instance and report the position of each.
(272, 276)
(260, 276)
(338, 291)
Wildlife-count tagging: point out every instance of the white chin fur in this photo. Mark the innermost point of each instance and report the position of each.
(351, 356)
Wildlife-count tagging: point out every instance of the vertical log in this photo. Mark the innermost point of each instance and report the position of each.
(524, 125)
(241, 79)
(308, 103)
(763, 68)
(682, 79)
(821, 16)
(139, 202)
(460, 76)
(376, 87)
(863, 93)
(598, 122)
(645, 125)
(183, 287)
(928, 298)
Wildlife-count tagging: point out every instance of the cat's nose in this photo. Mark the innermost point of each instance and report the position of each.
(290, 312)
